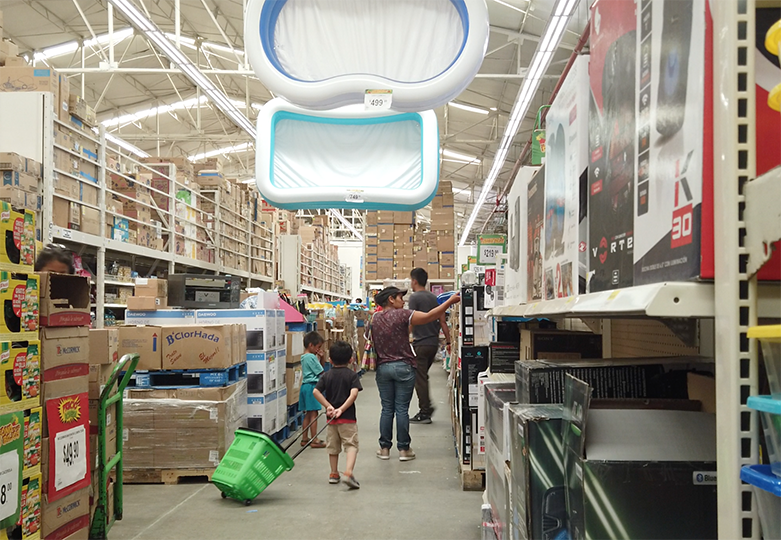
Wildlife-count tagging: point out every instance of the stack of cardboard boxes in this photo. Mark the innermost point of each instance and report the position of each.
(149, 294)
(294, 374)
(442, 234)
(65, 369)
(20, 412)
(20, 176)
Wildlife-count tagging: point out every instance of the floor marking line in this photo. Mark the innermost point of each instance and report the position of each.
(158, 520)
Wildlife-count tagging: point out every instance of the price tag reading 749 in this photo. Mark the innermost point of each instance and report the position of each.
(71, 458)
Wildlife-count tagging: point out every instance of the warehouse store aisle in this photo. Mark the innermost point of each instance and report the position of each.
(420, 499)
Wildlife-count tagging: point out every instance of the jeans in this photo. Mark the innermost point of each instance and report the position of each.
(425, 356)
(396, 382)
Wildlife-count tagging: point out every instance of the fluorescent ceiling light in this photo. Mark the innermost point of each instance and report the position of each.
(250, 181)
(519, 10)
(167, 47)
(243, 147)
(146, 113)
(461, 157)
(72, 46)
(469, 108)
(551, 38)
(127, 146)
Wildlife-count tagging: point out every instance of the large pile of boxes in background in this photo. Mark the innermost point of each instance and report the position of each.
(320, 259)
(395, 244)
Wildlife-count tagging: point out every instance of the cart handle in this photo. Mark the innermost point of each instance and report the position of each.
(127, 364)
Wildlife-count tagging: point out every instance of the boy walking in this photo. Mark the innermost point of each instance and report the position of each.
(337, 390)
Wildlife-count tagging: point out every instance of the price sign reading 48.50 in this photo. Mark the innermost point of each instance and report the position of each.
(71, 464)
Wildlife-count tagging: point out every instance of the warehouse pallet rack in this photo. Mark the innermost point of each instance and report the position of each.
(295, 260)
(35, 121)
(747, 221)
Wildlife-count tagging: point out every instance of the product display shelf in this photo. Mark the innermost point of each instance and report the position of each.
(303, 268)
(37, 138)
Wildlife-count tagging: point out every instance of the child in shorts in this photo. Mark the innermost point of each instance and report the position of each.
(337, 390)
(307, 404)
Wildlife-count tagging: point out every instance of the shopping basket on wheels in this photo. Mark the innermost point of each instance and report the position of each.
(252, 462)
(102, 521)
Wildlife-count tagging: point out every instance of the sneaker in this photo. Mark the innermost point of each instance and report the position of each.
(420, 418)
(406, 455)
(352, 482)
(383, 453)
(333, 478)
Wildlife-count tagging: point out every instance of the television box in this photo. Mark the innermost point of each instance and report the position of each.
(160, 317)
(281, 408)
(503, 356)
(566, 186)
(262, 412)
(537, 507)
(612, 133)
(639, 465)
(542, 381)
(261, 372)
(65, 300)
(473, 361)
(261, 328)
(515, 270)
(281, 366)
(559, 344)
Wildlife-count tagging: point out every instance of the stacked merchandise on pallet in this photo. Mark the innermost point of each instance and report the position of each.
(442, 234)
(65, 373)
(21, 177)
(20, 412)
(149, 294)
(293, 372)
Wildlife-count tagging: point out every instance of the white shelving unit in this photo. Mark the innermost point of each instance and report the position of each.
(35, 126)
(291, 258)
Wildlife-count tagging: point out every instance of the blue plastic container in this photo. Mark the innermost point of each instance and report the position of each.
(767, 489)
(770, 413)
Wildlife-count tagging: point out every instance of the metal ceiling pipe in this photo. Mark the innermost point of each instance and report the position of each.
(527, 147)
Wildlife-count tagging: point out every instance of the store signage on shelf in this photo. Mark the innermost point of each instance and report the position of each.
(11, 449)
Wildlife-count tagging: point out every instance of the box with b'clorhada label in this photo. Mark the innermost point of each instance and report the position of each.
(197, 347)
(20, 303)
(20, 369)
(17, 245)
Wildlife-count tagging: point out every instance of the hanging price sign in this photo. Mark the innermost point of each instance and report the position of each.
(377, 100)
(490, 247)
(71, 459)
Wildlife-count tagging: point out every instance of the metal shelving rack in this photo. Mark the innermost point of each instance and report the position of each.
(32, 114)
(291, 261)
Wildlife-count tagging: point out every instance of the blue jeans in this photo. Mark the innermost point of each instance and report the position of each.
(396, 383)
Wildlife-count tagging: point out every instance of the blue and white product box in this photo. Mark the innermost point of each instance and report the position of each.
(160, 317)
(281, 408)
(262, 412)
(261, 372)
(259, 337)
(271, 327)
(280, 328)
(281, 365)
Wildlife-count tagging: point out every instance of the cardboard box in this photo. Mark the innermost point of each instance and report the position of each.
(262, 412)
(19, 180)
(295, 345)
(201, 347)
(146, 303)
(65, 300)
(153, 287)
(640, 474)
(144, 340)
(293, 378)
(63, 110)
(66, 516)
(64, 353)
(261, 324)
(535, 205)
(20, 368)
(103, 346)
(160, 317)
(29, 79)
(90, 221)
(558, 344)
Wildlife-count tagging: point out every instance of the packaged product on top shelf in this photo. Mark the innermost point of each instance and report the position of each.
(20, 296)
(535, 205)
(18, 230)
(21, 369)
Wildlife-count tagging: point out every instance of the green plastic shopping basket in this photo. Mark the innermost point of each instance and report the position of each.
(251, 463)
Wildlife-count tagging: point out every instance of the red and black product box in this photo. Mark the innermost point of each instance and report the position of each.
(612, 143)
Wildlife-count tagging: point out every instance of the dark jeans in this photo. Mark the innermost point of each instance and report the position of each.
(426, 355)
(395, 381)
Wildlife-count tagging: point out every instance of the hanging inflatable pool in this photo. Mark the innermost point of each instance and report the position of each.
(323, 54)
(346, 157)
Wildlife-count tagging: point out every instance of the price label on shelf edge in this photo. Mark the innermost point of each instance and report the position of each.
(71, 457)
(378, 100)
(9, 483)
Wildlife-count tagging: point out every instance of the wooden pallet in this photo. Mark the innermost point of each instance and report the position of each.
(165, 476)
(471, 480)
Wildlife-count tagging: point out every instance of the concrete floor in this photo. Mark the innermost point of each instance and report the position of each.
(420, 499)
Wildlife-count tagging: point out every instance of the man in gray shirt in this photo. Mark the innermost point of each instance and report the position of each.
(425, 342)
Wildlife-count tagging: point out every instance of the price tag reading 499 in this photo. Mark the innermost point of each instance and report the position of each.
(376, 100)
(71, 457)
